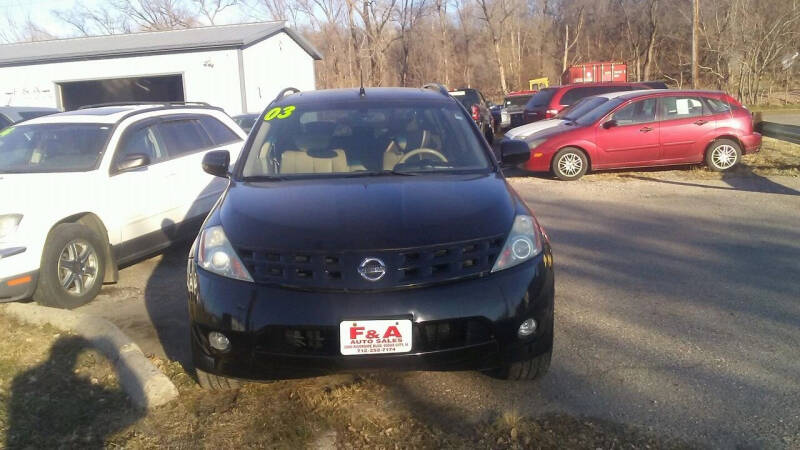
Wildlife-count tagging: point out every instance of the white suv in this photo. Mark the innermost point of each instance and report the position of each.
(85, 192)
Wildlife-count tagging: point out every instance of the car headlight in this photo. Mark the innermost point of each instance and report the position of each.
(536, 142)
(216, 255)
(9, 224)
(523, 243)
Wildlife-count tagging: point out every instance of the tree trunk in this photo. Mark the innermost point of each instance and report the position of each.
(651, 42)
(695, 44)
(566, 49)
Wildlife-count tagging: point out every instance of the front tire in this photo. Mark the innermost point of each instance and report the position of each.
(569, 164)
(213, 382)
(72, 268)
(723, 154)
(527, 369)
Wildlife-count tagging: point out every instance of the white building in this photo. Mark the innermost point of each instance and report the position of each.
(237, 67)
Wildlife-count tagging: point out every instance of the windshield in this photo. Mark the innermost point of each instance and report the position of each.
(467, 97)
(357, 139)
(597, 113)
(52, 147)
(517, 100)
(541, 98)
(582, 107)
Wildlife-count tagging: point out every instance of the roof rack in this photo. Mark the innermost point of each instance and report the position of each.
(283, 93)
(166, 104)
(437, 87)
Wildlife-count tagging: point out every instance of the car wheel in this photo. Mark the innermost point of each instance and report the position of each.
(72, 267)
(723, 155)
(215, 382)
(570, 164)
(527, 369)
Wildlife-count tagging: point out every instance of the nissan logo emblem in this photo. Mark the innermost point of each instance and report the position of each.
(372, 269)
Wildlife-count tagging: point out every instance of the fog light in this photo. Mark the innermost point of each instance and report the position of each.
(219, 341)
(527, 328)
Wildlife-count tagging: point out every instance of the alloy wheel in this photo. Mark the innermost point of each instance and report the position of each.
(570, 164)
(723, 156)
(78, 267)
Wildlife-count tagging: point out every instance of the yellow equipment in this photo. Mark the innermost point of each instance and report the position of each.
(537, 84)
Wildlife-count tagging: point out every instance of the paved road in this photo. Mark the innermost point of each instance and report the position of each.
(678, 310)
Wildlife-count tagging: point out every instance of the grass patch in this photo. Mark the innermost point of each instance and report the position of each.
(58, 392)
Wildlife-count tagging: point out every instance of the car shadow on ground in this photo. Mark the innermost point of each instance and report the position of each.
(743, 180)
(166, 302)
(52, 406)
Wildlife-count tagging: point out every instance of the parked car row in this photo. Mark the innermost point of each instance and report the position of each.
(638, 128)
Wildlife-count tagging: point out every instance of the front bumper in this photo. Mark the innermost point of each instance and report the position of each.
(751, 143)
(282, 333)
(18, 287)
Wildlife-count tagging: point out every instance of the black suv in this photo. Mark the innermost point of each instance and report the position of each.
(479, 108)
(368, 229)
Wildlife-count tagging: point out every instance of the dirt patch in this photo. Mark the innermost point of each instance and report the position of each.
(56, 391)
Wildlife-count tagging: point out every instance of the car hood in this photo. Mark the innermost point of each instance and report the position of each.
(27, 192)
(535, 127)
(366, 213)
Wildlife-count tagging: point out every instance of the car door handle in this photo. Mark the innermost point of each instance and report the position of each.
(645, 129)
(700, 122)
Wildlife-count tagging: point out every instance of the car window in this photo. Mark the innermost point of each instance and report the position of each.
(580, 108)
(350, 139)
(183, 136)
(141, 140)
(52, 147)
(4, 121)
(680, 107)
(599, 112)
(219, 132)
(716, 106)
(467, 97)
(246, 122)
(641, 111)
(517, 100)
(541, 98)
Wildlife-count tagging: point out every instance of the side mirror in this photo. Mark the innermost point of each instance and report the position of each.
(609, 124)
(216, 163)
(514, 152)
(133, 161)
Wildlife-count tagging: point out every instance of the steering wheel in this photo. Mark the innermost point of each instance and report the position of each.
(422, 151)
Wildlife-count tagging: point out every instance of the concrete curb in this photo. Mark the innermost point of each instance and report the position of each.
(143, 382)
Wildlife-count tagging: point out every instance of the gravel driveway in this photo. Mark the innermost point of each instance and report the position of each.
(677, 310)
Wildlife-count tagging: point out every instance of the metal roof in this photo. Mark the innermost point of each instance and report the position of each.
(145, 43)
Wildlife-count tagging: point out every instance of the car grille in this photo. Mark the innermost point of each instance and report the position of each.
(517, 120)
(404, 267)
(324, 341)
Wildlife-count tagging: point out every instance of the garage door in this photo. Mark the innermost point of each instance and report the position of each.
(162, 88)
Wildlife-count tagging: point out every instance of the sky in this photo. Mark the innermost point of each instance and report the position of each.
(40, 11)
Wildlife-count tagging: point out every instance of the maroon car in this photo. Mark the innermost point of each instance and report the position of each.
(548, 102)
(648, 128)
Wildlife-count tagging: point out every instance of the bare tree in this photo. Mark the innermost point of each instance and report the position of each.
(211, 8)
(495, 15)
(408, 13)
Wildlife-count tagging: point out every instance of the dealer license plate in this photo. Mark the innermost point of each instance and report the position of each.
(369, 337)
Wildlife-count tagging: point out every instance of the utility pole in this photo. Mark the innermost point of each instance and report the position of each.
(695, 43)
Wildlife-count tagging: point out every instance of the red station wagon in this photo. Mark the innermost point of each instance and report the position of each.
(649, 128)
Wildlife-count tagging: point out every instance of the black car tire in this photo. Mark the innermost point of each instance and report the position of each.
(527, 369)
(574, 157)
(49, 290)
(213, 382)
(722, 155)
